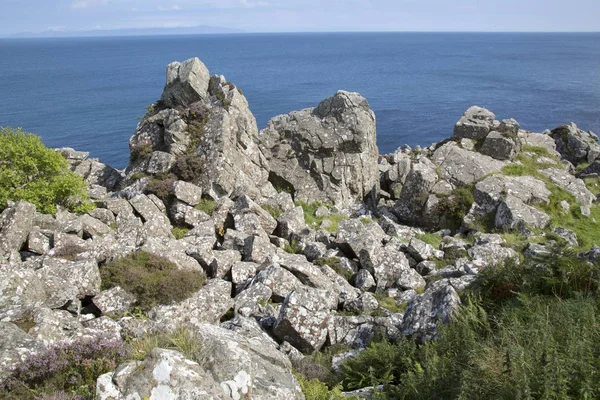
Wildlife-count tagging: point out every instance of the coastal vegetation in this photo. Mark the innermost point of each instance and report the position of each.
(32, 172)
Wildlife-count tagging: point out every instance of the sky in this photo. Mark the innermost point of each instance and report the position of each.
(302, 15)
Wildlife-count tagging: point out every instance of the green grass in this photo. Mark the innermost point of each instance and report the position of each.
(334, 263)
(389, 303)
(431, 238)
(272, 210)
(292, 247)
(315, 222)
(179, 231)
(207, 206)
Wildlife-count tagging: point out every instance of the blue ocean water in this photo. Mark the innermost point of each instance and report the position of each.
(86, 92)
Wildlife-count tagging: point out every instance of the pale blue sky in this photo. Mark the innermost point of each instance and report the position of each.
(303, 15)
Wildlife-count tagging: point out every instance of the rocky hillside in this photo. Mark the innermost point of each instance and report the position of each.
(277, 244)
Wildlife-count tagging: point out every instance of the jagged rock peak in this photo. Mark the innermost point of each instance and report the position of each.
(187, 82)
(327, 153)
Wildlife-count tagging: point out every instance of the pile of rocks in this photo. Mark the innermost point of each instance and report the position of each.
(278, 287)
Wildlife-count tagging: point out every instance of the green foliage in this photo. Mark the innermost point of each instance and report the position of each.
(292, 247)
(63, 371)
(153, 280)
(179, 231)
(529, 330)
(207, 206)
(315, 222)
(314, 389)
(389, 303)
(431, 238)
(30, 171)
(188, 167)
(453, 208)
(140, 152)
(182, 339)
(137, 176)
(161, 186)
(195, 129)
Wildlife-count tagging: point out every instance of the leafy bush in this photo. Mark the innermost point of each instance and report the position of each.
(139, 152)
(30, 171)
(314, 389)
(64, 371)
(188, 167)
(153, 280)
(453, 208)
(161, 186)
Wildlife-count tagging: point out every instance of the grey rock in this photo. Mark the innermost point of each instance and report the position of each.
(410, 279)
(571, 184)
(499, 147)
(222, 263)
(279, 280)
(247, 302)
(245, 205)
(569, 236)
(576, 145)
(242, 272)
(187, 192)
(39, 241)
(353, 331)
(115, 301)
(327, 153)
(419, 250)
(291, 225)
(173, 250)
(303, 319)
(16, 222)
(66, 281)
(103, 215)
(512, 213)
(207, 305)
(258, 249)
(354, 237)
(415, 192)
(476, 123)
(365, 303)
(461, 167)
(364, 280)
(15, 347)
(93, 228)
(386, 264)
(187, 82)
(163, 374)
(160, 162)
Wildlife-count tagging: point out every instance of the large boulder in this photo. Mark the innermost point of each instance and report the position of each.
(15, 224)
(328, 153)
(187, 82)
(576, 145)
(415, 192)
(476, 123)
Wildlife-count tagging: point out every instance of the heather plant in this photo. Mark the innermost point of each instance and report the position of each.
(32, 172)
(151, 279)
(64, 371)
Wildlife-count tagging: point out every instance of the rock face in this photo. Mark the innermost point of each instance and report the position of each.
(327, 153)
(576, 145)
(205, 125)
(476, 123)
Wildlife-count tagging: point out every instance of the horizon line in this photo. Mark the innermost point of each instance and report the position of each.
(90, 33)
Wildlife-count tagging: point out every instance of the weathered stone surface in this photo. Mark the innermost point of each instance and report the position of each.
(365, 303)
(512, 213)
(242, 272)
(571, 184)
(39, 241)
(354, 237)
(173, 250)
(187, 82)
(476, 123)
(364, 280)
(327, 153)
(419, 250)
(436, 305)
(93, 228)
(103, 175)
(247, 303)
(103, 215)
(569, 236)
(160, 162)
(291, 225)
(247, 364)
(386, 264)
(462, 167)
(187, 192)
(222, 263)
(353, 331)
(303, 319)
(155, 221)
(66, 281)
(163, 374)
(410, 279)
(115, 301)
(207, 305)
(415, 192)
(576, 145)
(20, 286)
(499, 146)
(15, 347)
(245, 205)
(16, 222)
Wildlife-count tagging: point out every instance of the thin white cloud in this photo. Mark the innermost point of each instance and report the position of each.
(80, 4)
(174, 7)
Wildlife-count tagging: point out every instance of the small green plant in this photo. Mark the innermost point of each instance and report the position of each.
(314, 389)
(32, 172)
(389, 303)
(181, 339)
(430, 238)
(315, 222)
(207, 206)
(272, 210)
(161, 186)
(453, 208)
(179, 231)
(139, 152)
(151, 279)
(137, 176)
(292, 247)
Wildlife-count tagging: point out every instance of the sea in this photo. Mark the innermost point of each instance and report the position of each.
(88, 93)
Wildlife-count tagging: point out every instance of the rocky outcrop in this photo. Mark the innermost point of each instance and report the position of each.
(576, 145)
(328, 153)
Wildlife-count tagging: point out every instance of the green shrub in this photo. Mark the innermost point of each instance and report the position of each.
(315, 222)
(207, 206)
(188, 167)
(314, 389)
(182, 339)
(30, 171)
(64, 371)
(292, 247)
(140, 152)
(161, 186)
(272, 210)
(453, 208)
(153, 280)
(389, 303)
